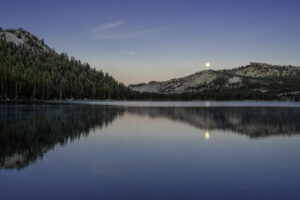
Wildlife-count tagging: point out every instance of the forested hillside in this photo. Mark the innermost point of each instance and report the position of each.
(29, 69)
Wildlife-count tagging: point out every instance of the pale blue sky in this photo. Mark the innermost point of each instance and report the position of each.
(138, 41)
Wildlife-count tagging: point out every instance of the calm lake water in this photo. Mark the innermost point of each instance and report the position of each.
(150, 150)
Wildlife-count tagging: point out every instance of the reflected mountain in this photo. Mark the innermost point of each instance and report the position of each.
(254, 122)
(27, 132)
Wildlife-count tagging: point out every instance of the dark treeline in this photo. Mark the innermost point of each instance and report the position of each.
(218, 94)
(29, 72)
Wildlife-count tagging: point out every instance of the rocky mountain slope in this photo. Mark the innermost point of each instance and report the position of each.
(259, 77)
(23, 37)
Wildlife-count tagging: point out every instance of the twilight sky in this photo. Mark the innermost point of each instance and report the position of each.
(139, 41)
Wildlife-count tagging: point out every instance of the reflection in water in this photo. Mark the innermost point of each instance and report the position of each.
(207, 104)
(207, 135)
(254, 122)
(29, 131)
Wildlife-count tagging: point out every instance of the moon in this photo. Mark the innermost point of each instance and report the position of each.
(207, 64)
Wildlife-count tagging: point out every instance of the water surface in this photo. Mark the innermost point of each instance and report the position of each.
(112, 151)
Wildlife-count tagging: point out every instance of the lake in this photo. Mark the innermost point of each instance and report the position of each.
(149, 150)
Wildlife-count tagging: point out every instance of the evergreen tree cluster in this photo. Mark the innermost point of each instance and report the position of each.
(29, 72)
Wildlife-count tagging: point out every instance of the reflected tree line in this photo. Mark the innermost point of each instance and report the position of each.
(255, 122)
(28, 131)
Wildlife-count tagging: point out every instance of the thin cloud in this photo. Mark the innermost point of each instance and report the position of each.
(138, 33)
(110, 25)
(129, 53)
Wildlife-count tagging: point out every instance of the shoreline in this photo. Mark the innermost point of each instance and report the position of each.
(148, 103)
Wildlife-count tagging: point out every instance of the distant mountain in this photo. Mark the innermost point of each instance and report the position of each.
(257, 78)
(30, 69)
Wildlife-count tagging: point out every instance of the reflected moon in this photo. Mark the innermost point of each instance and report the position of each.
(207, 135)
